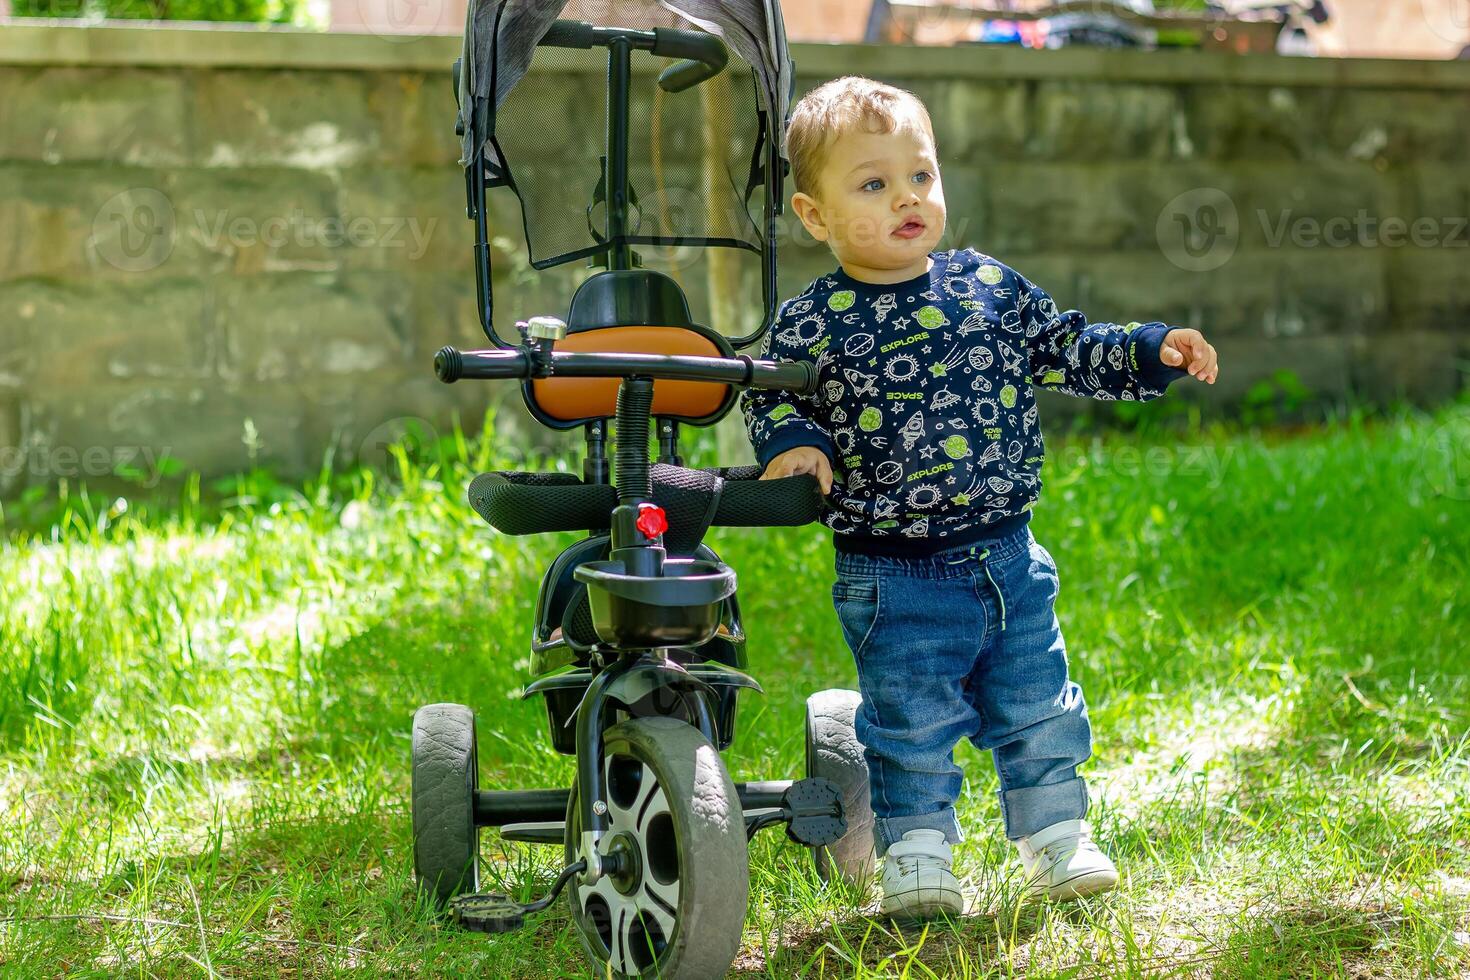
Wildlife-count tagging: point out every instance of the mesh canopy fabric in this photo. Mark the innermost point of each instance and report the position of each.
(694, 157)
(690, 157)
(500, 36)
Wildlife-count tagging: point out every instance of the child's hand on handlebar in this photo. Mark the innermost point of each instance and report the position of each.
(798, 461)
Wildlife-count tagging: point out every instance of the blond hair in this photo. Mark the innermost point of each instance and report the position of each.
(840, 106)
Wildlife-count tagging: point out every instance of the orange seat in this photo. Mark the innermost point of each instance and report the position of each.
(581, 399)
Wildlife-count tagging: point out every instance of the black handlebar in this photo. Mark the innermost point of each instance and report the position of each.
(706, 54)
(799, 377)
(569, 34)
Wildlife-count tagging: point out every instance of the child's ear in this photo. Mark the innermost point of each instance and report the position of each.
(810, 213)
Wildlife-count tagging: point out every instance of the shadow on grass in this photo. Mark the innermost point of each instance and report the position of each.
(313, 892)
(1317, 942)
(837, 947)
(368, 687)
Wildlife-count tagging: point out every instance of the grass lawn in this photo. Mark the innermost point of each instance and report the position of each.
(204, 723)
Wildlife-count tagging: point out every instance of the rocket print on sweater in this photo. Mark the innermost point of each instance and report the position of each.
(926, 406)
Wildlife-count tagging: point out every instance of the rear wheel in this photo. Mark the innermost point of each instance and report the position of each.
(676, 907)
(446, 849)
(833, 752)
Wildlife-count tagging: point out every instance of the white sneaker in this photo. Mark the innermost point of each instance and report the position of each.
(917, 881)
(1063, 863)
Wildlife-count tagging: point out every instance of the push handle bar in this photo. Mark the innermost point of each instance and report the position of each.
(799, 377)
(569, 34)
(706, 54)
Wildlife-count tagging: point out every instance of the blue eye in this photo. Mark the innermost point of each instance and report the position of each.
(923, 177)
(873, 185)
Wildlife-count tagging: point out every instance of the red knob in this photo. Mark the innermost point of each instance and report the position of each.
(652, 520)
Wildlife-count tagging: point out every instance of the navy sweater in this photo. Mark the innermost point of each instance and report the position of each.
(926, 407)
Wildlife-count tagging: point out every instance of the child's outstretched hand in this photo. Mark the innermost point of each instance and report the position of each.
(802, 459)
(1188, 349)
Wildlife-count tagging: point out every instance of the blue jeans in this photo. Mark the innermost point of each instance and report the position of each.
(963, 644)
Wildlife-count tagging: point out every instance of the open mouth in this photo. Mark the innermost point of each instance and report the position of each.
(912, 228)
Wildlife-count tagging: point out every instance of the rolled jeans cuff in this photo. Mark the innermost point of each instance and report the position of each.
(1028, 809)
(890, 830)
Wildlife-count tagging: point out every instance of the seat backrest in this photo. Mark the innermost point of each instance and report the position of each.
(567, 402)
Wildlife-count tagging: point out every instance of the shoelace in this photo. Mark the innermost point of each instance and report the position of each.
(1056, 850)
(910, 863)
(911, 858)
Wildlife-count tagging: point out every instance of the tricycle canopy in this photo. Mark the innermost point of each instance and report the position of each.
(611, 145)
(501, 35)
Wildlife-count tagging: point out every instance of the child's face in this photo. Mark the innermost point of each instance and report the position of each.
(879, 204)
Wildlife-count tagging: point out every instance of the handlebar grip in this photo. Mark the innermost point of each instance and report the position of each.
(568, 34)
(788, 502)
(450, 365)
(706, 57)
(800, 377)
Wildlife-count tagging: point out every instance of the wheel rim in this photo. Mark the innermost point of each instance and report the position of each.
(633, 915)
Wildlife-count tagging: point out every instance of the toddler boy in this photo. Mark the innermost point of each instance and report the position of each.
(925, 438)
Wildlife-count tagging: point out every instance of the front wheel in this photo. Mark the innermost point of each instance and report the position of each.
(446, 843)
(676, 909)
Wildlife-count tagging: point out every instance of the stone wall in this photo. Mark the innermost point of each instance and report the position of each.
(200, 228)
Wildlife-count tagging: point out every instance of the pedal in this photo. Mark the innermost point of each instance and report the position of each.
(815, 812)
(487, 912)
(537, 832)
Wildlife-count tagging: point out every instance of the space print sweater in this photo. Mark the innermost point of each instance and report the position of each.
(926, 407)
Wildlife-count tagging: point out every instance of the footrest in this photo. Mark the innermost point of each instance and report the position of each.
(535, 832)
(814, 812)
(487, 912)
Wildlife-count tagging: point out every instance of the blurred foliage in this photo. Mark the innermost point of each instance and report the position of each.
(1272, 399)
(273, 11)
